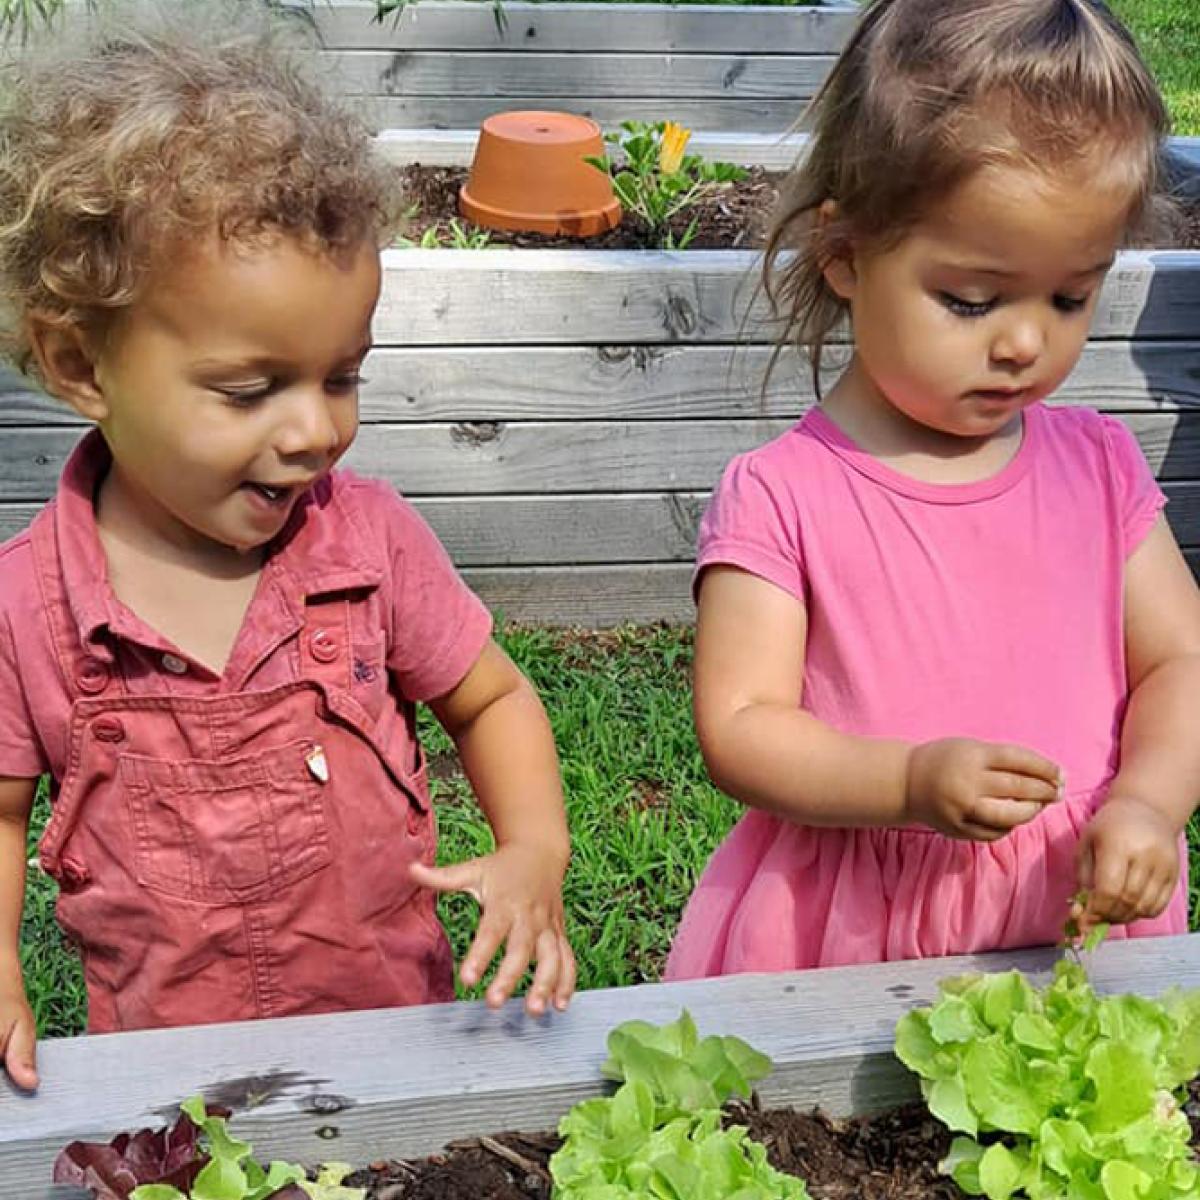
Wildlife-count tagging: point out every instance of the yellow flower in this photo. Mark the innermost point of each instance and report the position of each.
(670, 153)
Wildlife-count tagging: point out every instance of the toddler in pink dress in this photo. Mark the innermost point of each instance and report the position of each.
(947, 645)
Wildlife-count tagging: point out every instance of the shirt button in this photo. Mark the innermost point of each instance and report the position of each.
(174, 664)
(92, 676)
(108, 729)
(322, 645)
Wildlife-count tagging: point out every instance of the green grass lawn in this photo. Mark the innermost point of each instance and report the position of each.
(1168, 32)
(644, 818)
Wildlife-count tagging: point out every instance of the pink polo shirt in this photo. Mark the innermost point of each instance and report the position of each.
(414, 619)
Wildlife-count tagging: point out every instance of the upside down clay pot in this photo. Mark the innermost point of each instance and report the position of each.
(529, 174)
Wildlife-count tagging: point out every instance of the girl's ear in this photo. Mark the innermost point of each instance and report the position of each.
(837, 251)
(66, 361)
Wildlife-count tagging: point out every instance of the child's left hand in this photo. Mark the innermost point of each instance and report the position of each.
(519, 890)
(1128, 862)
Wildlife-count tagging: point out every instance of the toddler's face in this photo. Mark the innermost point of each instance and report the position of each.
(984, 307)
(231, 386)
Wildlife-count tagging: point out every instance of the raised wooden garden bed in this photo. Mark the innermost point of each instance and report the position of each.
(400, 1083)
(560, 416)
(447, 64)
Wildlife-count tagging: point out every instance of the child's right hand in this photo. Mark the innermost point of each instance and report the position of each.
(979, 790)
(18, 1038)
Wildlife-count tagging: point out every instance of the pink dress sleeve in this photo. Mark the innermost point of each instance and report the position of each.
(751, 522)
(1139, 498)
(439, 626)
(21, 755)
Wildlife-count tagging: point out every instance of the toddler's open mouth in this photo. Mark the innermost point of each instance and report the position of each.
(274, 494)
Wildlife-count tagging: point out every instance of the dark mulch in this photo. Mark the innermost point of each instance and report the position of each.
(892, 1156)
(737, 217)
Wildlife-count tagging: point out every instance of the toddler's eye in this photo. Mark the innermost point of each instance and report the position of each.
(347, 383)
(1071, 304)
(244, 397)
(965, 308)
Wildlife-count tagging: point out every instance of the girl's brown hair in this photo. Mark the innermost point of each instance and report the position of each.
(929, 91)
(126, 136)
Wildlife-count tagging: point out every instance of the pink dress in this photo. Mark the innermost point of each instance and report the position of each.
(990, 610)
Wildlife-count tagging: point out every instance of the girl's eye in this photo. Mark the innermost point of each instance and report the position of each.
(965, 308)
(347, 383)
(1071, 304)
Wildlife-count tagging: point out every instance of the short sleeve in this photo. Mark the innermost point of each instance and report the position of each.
(751, 523)
(1138, 496)
(21, 754)
(439, 627)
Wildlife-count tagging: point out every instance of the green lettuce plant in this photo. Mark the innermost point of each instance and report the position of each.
(660, 1136)
(1059, 1093)
(196, 1159)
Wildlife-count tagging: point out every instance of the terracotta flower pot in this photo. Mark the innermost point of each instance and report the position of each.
(529, 174)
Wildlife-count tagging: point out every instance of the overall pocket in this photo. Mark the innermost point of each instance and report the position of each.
(232, 832)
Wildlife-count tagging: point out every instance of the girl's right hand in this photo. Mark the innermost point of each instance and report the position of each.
(18, 1038)
(977, 790)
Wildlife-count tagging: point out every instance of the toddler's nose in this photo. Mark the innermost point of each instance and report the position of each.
(1020, 343)
(308, 427)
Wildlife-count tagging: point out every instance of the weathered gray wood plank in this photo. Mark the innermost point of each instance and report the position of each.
(537, 28)
(456, 147)
(596, 530)
(773, 150)
(497, 457)
(596, 597)
(560, 78)
(552, 297)
(408, 1080)
(585, 383)
(469, 112)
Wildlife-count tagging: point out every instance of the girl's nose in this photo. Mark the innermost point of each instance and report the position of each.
(1019, 343)
(307, 426)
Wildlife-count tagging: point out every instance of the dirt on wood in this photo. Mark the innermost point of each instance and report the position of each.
(734, 218)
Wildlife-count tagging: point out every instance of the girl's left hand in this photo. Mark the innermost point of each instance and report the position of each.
(1128, 862)
(519, 890)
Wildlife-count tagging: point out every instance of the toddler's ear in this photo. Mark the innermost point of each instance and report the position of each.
(67, 364)
(837, 253)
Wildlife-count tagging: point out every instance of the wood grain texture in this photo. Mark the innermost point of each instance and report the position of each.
(423, 384)
(563, 77)
(549, 457)
(556, 297)
(469, 112)
(533, 29)
(401, 1082)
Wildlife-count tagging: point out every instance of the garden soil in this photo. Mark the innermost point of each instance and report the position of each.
(734, 218)
(891, 1156)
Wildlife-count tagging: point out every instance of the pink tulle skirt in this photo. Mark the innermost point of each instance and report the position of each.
(778, 896)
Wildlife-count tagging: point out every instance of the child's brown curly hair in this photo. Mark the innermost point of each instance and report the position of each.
(125, 136)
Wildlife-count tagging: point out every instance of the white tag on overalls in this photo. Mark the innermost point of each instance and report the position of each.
(318, 766)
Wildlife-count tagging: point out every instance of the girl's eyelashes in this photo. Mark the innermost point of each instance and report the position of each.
(965, 308)
(1071, 304)
(981, 308)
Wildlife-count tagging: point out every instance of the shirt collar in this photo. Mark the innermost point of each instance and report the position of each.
(322, 549)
